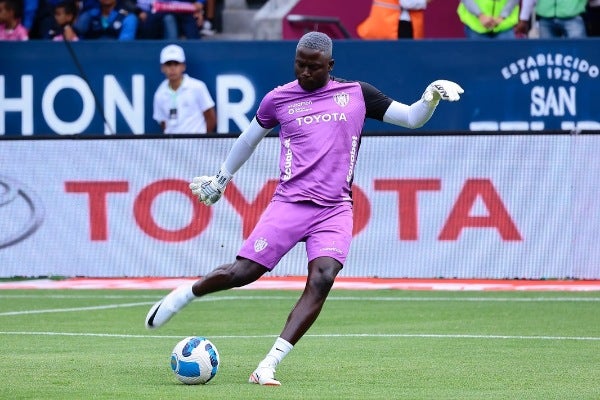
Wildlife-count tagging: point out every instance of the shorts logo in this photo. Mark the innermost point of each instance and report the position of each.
(331, 249)
(260, 244)
(341, 99)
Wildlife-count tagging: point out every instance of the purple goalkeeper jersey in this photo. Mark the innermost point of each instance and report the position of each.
(320, 136)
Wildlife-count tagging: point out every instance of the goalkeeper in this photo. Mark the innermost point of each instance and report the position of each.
(320, 118)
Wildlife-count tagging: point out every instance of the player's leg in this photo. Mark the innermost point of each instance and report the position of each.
(321, 275)
(327, 245)
(273, 236)
(240, 273)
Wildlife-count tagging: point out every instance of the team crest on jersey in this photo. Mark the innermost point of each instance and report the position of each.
(260, 244)
(341, 99)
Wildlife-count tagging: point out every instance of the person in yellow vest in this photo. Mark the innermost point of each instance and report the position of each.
(394, 19)
(489, 19)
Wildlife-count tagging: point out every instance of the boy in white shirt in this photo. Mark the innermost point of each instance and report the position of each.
(182, 104)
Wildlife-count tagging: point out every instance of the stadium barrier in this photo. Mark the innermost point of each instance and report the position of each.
(454, 206)
(91, 87)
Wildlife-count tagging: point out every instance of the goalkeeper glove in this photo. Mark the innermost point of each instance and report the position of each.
(209, 189)
(442, 90)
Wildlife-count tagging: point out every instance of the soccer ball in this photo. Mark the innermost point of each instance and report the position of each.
(195, 360)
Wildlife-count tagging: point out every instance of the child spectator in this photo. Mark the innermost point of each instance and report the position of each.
(182, 104)
(65, 13)
(43, 20)
(10, 21)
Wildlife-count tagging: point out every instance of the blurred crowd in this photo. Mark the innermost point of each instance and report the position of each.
(194, 19)
(546, 19)
(486, 19)
(108, 19)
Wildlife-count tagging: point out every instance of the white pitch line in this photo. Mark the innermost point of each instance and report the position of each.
(215, 298)
(348, 335)
(331, 298)
(501, 299)
(57, 310)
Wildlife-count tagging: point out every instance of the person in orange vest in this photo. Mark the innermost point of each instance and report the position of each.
(394, 19)
(412, 19)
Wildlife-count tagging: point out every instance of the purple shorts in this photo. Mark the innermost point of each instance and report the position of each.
(327, 232)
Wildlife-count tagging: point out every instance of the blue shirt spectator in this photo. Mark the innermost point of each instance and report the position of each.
(29, 10)
(107, 21)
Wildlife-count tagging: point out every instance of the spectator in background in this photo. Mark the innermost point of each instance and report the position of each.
(411, 24)
(85, 5)
(592, 18)
(150, 23)
(489, 19)
(558, 18)
(523, 27)
(29, 11)
(65, 13)
(180, 19)
(208, 24)
(10, 21)
(382, 22)
(107, 20)
(182, 104)
(393, 19)
(42, 19)
(214, 15)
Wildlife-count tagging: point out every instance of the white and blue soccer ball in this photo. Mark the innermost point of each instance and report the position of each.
(195, 360)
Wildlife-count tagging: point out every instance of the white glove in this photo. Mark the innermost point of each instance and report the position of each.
(442, 90)
(209, 189)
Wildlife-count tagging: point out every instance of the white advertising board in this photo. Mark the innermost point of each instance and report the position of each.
(425, 207)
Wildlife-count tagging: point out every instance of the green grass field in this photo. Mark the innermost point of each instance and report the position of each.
(92, 344)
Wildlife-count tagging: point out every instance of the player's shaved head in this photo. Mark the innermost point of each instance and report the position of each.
(316, 41)
(313, 61)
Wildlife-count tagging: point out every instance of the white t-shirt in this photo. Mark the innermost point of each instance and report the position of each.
(182, 110)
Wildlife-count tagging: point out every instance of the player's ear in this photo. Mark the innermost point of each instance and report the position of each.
(331, 62)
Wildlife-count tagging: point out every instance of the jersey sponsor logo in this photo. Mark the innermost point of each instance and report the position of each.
(341, 99)
(321, 118)
(353, 152)
(287, 166)
(260, 244)
(301, 106)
